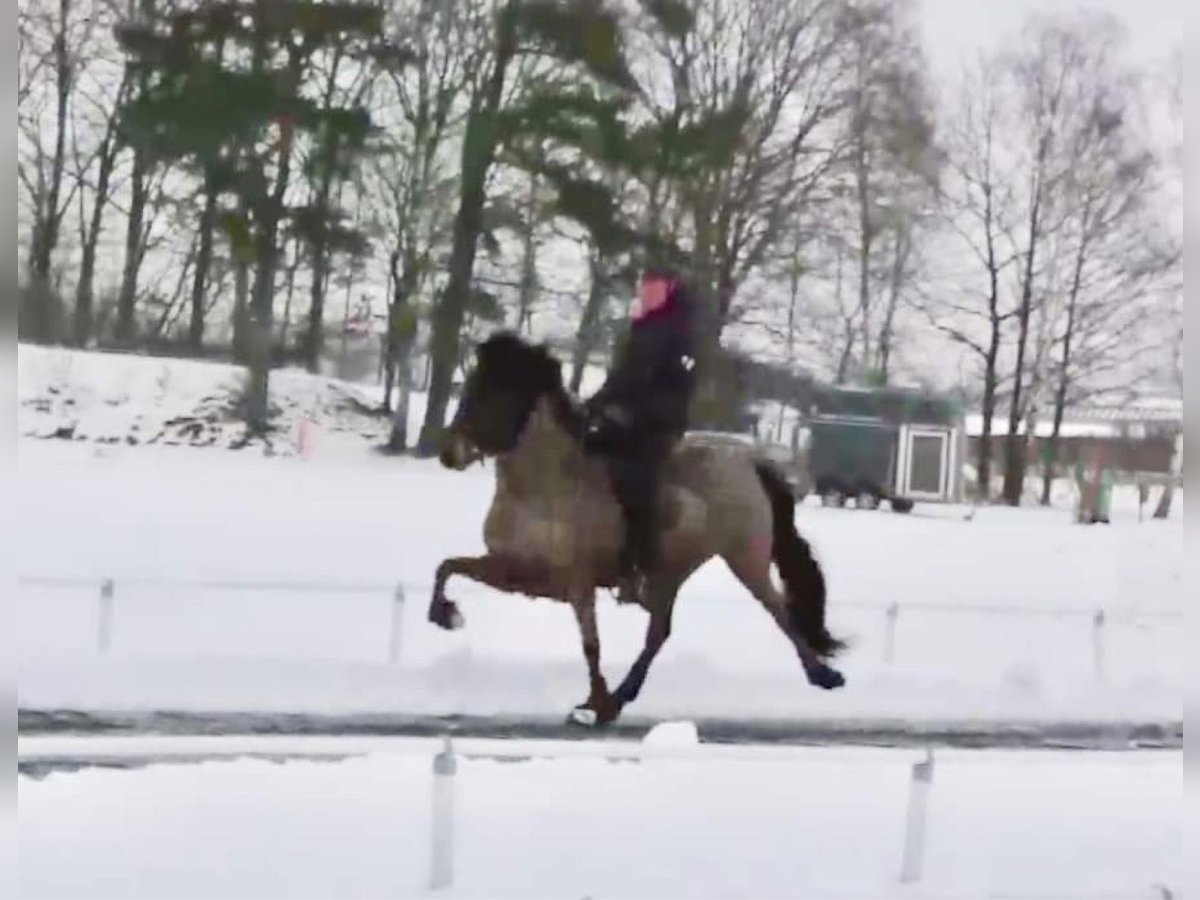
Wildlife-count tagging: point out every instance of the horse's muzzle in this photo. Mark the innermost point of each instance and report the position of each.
(457, 452)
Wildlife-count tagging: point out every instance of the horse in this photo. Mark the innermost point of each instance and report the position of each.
(554, 529)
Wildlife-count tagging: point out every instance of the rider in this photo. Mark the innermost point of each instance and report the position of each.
(641, 411)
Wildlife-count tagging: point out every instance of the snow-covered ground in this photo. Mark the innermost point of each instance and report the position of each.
(713, 822)
(995, 615)
(135, 400)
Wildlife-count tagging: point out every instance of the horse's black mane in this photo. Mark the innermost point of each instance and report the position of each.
(507, 358)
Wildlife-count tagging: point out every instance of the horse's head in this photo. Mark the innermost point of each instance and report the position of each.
(498, 397)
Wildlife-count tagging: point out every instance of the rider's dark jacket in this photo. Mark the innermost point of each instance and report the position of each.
(652, 380)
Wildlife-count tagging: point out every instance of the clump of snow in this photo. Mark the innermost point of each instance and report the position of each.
(672, 735)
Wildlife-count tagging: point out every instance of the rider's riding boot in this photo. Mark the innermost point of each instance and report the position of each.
(638, 559)
(629, 578)
(632, 586)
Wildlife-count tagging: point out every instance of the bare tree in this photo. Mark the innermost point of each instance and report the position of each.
(774, 68)
(890, 166)
(418, 176)
(98, 100)
(54, 39)
(976, 200)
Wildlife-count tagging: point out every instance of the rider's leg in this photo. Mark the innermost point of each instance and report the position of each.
(635, 482)
(631, 487)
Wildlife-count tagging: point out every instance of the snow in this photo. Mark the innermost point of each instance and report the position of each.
(672, 734)
(742, 822)
(134, 400)
(250, 581)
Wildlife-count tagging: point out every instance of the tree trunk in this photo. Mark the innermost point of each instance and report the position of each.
(984, 463)
(208, 220)
(899, 262)
(46, 305)
(1015, 443)
(862, 183)
(290, 293)
(200, 277)
(1050, 462)
(1065, 360)
(402, 366)
(402, 336)
(992, 355)
(314, 337)
(263, 297)
(527, 290)
(842, 371)
(1015, 440)
(134, 247)
(314, 333)
(589, 322)
(478, 153)
(1163, 508)
(241, 310)
(259, 324)
(85, 289)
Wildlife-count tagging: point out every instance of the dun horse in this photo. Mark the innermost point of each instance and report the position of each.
(554, 529)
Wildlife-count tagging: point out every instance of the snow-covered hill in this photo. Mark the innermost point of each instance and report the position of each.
(132, 399)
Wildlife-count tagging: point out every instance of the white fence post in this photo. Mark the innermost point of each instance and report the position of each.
(914, 823)
(1098, 621)
(441, 870)
(104, 617)
(396, 633)
(889, 634)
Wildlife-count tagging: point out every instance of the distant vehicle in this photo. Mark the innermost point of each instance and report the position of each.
(877, 445)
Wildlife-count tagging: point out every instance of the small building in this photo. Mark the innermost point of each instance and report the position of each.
(1132, 438)
(875, 444)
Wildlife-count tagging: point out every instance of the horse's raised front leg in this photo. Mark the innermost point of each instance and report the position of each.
(499, 572)
(600, 708)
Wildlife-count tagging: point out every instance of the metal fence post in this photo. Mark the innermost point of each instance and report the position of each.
(396, 632)
(441, 869)
(914, 822)
(104, 618)
(889, 634)
(1098, 621)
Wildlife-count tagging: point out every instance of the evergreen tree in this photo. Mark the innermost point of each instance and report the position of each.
(228, 89)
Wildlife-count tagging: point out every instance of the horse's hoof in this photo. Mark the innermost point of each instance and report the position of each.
(588, 716)
(826, 677)
(583, 715)
(446, 615)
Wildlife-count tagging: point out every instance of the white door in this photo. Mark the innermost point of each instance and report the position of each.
(926, 464)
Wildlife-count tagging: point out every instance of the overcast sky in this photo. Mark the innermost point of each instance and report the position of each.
(954, 27)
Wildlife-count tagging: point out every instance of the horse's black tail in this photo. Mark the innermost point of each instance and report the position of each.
(801, 573)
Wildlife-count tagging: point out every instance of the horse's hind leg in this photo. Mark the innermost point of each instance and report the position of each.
(600, 708)
(752, 567)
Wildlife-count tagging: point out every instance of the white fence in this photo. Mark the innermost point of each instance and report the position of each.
(916, 835)
(1096, 619)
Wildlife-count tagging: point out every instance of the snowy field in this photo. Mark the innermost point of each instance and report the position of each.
(798, 823)
(255, 581)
